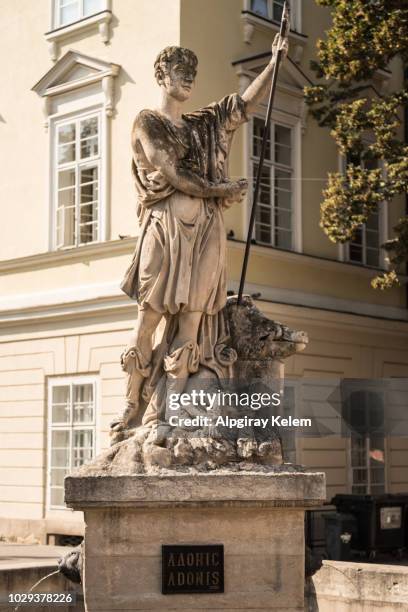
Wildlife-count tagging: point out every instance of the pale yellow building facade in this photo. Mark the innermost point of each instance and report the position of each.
(75, 73)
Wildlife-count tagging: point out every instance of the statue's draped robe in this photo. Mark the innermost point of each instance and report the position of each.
(179, 264)
(180, 261)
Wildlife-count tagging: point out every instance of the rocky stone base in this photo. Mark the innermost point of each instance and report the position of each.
(146, 451)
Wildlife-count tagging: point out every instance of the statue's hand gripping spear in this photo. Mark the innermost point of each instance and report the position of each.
(283, 33)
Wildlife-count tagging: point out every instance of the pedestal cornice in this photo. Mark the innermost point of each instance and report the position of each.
(279, 487)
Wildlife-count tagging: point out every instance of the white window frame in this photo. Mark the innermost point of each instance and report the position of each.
(344, 249)
(366, 466)
(94, 426)
(364, 246)
(295, 7)
(58, 33)
(367, 437)
(102, 161)
(55, 13)
(295, 125)
(91, 88)
(270, 8)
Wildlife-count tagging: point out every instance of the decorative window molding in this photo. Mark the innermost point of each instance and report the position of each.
(72, 431)
(76, 71)
(290, 87)
(258, 16)
(97, 15)
(78, 87)
(291, 112)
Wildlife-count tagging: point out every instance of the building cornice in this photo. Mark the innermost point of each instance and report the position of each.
(90, 301)
(301, 258)
(96, 299)
(61, 257)
(125, 246)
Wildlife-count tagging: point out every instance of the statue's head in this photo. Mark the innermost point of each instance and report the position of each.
(175, 70)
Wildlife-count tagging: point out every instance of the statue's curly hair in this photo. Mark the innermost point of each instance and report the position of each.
(172, 55)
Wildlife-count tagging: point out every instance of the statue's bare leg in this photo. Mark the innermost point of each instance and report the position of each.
(136, 363)
(182, 360)
(184, 356)
(188, 325)
(146, 324)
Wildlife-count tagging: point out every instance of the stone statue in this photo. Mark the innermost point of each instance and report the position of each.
(178, 271)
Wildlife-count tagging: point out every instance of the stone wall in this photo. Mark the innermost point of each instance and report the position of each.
(357, 587)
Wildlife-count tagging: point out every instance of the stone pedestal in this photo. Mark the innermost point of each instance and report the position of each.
(257, 516)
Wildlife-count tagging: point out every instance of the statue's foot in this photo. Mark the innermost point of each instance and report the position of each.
(158, 434)
(117, 436)
(120, 426)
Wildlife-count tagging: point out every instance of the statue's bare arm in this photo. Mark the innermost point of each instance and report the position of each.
(184, 179)
(258, 89)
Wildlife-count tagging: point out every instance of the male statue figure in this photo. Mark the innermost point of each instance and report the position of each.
(179, 267)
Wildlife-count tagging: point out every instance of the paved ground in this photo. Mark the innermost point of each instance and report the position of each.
(14, 556)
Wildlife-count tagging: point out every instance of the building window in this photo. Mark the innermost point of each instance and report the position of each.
(72, 431)
(265, 16)
(367, 465)
(77, 162)
(271, 9)
(78, 95)
(363, 412)
(365, 246)
(274, 220)
(70, 11)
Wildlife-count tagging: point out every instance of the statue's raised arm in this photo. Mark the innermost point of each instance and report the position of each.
(257, 90)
